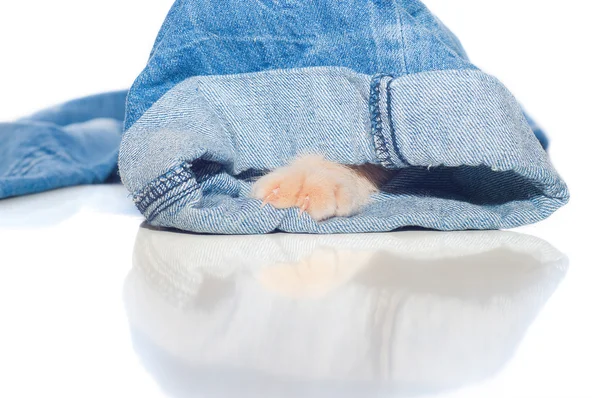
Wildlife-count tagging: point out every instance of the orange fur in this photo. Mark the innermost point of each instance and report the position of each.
(321, 188)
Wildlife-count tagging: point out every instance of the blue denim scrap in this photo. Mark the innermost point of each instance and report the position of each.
(234, 89)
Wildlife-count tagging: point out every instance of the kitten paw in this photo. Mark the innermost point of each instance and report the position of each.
(314, 185)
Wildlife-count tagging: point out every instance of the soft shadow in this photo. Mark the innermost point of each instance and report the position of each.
(283, 315)
(52, 207)
(478, 185)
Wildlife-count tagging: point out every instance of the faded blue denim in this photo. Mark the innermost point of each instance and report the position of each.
(235, 88)
(70, 144)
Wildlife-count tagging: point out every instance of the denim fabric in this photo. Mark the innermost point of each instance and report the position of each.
(234, 89)
(70, 144)
(208, 37)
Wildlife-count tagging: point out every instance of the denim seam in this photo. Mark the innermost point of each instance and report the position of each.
(381, 149)
(161, 186)
(390, 121)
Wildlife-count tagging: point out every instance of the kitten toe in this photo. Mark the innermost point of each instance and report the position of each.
(316, 186)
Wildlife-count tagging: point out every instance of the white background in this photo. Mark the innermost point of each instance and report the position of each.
(65, 253)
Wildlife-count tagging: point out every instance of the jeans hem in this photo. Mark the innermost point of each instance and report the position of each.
(158, 193)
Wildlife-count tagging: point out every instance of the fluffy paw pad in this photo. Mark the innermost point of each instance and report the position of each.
(316, 186)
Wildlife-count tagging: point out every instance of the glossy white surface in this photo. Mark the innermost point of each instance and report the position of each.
(92, 305)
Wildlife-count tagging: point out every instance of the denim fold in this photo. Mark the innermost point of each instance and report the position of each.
(464, 154)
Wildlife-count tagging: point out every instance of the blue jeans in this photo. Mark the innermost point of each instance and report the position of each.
(70, 144)
(233, 89)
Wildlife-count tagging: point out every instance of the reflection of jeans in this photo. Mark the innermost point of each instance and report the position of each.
(235, 88)
(428, 311)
